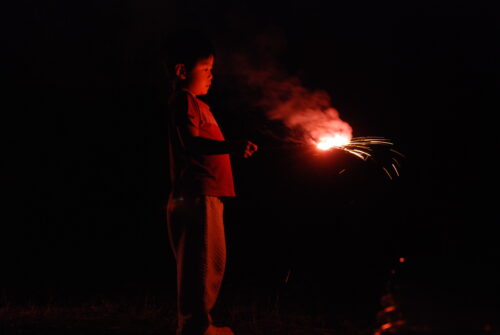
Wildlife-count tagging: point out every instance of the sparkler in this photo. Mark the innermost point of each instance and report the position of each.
(365, 148)
(323, 130)
(362, 148)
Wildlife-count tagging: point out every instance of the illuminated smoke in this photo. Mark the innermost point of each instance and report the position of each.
(305, 110)
(308, 113)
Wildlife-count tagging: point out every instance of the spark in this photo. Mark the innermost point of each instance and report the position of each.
(362, 148)
(335, 141)
(288, 275)
(387, 172)
(395, 169)
(396, 161)
(386, 326)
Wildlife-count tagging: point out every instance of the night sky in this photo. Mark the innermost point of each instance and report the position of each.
(86, 166)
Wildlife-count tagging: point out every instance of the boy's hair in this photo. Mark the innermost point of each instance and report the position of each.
(184, 47)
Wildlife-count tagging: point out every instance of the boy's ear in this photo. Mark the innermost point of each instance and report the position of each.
(180, 71)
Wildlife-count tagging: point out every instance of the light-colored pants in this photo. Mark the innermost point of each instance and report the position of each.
(196, 232)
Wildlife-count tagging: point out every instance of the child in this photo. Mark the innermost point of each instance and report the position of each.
(201, 177)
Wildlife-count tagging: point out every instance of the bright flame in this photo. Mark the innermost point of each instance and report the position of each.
(360, 147)
(328, 142)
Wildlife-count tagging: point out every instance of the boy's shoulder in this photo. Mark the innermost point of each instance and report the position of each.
(186, 97)
(183, 101)
(183, 95)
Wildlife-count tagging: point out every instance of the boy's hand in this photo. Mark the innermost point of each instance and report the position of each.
(245, 148)
(250, 149)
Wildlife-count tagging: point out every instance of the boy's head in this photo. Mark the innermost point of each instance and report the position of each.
(188, 58)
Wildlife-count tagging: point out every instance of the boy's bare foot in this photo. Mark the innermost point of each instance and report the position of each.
(213, 330)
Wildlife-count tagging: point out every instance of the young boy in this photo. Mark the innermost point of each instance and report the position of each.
(201, 177)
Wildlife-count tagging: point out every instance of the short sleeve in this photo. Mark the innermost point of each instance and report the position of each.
(185, 116)
(193, 117)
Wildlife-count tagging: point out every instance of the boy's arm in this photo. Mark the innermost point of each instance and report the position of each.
(212, 147)
(186, 122)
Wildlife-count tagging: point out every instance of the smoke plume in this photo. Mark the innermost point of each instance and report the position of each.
(308, 113)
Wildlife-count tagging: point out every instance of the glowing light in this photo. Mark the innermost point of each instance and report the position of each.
(386, 326)
(401, 259)
(360, 147)
(389, 309)
(335, 141)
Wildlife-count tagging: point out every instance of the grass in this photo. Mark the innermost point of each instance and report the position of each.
(95, 316)
(246, 314)
(149, 315)
(299, 309)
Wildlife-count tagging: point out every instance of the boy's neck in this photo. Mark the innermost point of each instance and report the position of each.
(185, 89)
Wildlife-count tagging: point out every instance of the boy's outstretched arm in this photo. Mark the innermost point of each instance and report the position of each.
(186, 120)
(243, 148)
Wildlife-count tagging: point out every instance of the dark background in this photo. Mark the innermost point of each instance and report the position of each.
(86, 178)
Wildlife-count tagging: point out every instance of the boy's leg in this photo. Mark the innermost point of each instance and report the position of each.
(196, 233)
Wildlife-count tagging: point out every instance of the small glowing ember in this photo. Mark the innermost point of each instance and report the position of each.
(386, 326)
(328, 142)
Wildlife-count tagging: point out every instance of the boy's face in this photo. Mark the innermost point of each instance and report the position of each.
(199, 79)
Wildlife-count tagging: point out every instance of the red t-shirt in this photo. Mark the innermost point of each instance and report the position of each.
(191, 172)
